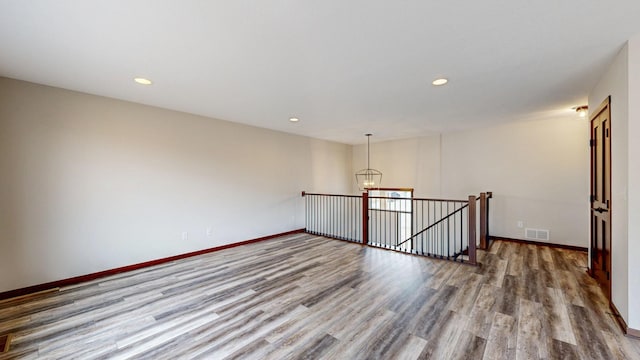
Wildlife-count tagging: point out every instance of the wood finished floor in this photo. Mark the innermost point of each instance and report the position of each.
(307, 297)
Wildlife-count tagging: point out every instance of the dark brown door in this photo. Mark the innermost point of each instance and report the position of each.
(601, 197)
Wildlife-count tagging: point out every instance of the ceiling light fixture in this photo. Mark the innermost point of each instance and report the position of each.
(294, 119)
(582, 110)
(439, 82)
(368, 178)
(143, 81)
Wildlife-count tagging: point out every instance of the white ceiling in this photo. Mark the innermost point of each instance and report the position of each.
(344, 68)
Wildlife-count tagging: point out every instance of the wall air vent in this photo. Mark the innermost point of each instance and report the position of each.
(536, 234)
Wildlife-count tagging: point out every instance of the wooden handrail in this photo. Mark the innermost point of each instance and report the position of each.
(304, 193)
(489, 194)
(483, 221)
(365, 218)
(419, 199)
(471, 226)
(484, 218)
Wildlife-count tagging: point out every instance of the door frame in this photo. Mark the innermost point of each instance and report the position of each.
(605, 106)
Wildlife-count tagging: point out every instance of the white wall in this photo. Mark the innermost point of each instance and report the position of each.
(634, 179)
(537, 170)
(615, 83)
(90, 183)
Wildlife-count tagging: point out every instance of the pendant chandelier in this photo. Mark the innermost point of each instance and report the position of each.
(368, 178)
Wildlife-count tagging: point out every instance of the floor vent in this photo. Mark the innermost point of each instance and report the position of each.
(536, 234)
(5, 343)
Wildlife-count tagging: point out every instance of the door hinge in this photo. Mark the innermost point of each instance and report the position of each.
(592, 198)
(592, 142)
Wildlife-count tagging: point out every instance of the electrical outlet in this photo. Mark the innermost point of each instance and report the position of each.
(185, 235)
(520, 224)
(209, 232)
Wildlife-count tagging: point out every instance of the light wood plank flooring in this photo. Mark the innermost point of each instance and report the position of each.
(307, 297)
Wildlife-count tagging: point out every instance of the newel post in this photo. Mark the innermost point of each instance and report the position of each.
(483, 221)
(365, 218)
(472, 229)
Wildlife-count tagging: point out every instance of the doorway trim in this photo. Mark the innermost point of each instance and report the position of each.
(603, 108)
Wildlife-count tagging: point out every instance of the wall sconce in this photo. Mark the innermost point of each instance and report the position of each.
(582, 111)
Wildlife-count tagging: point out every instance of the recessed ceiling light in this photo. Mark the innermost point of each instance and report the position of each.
(439, 82)
(142, 81)
(294, 119)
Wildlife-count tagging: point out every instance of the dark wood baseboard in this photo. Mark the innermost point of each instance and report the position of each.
(78, 279)
(634, 333)
(618, 317)
(630, 332)
(5, 343)
(559, 246)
